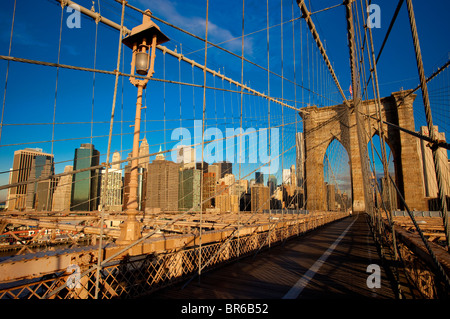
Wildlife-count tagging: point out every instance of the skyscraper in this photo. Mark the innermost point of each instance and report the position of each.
(300, 158)
(162, 185)
(259, 178)
(22, 164)
(189, 189)
(293, 177)
(221, 169)
(186, 156)
(225, 168)
(215, 168)
(144, 151)
(63, 191)
(85, 187)
(272, 184)
(111, 189)
(260, 198)
(227, 203)
(240, 188)
(209, 190)
(39, 194)
(116, 158)
(286, 176)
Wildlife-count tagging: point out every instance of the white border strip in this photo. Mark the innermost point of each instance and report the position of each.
(297, 289)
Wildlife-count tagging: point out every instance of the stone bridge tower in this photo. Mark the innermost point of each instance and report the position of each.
(322, 125)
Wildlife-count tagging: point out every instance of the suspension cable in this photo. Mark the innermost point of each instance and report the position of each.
(7, 68)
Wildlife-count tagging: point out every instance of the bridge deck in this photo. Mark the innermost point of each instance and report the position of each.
(309, 264)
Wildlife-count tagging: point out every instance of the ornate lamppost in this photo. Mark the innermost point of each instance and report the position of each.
(143, 41)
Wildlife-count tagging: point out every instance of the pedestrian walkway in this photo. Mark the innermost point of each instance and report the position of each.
(330, 262)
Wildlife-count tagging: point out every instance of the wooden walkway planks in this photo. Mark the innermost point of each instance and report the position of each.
(270, 274)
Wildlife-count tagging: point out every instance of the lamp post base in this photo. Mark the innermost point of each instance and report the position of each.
(130, 232)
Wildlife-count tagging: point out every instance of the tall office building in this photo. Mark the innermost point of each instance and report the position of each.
(259, 178)
(215, 168)
(286, 176)
(225, 168)
(272, 183)
(185, 156)
(22, 164)
(227, 203)
(85, 187)
(116, 158)
(39, 194)
(113, 195)
(221, 169)
(227, 179)
(204, 167)
(189, 190)
(240, 188)
(144, 151)
(162, 185)
(300, 158)
(111, 190)
(260, 198)
(293, 177)
(63, 191)
(209, 190)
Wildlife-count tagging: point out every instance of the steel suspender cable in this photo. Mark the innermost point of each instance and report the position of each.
(113, 108)
(426, 103)
(7, 69)
(93, 79)
(57, 75)
(203, 134)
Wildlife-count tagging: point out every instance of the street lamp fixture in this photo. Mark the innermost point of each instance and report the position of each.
(143, 41)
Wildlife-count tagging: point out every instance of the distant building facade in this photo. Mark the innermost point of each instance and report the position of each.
(259, 178)
(111, 190)
(22, 165)
(85, 187)
(189, 190)
(209, 190)
(300, 158)
(260, 198)
(63, 191)
(162, 185)
(40, 194)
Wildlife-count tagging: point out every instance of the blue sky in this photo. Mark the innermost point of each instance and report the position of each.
(31, 89)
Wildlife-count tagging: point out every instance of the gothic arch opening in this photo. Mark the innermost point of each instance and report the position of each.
(337, 177)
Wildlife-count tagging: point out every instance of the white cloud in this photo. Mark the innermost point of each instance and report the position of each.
(168, 11)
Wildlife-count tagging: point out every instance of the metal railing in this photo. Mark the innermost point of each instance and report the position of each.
(134, 276)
